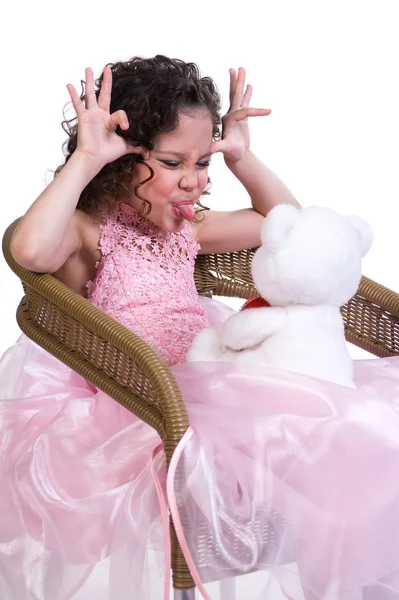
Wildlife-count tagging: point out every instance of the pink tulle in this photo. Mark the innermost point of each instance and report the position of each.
(292, 479)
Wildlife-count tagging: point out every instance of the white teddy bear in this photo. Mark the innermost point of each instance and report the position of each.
(308, 266)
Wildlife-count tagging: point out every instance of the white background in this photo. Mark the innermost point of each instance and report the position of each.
(328, 69)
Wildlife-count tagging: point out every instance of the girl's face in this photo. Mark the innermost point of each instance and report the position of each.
(180, 161)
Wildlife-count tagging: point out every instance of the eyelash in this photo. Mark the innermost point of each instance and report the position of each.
(174, 164)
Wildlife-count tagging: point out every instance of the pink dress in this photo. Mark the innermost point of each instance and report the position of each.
(289, 478)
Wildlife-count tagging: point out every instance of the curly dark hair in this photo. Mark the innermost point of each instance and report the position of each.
(153, 92)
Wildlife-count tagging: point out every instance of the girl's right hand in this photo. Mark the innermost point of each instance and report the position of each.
(96, 126)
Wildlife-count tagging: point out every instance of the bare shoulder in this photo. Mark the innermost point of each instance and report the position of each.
(81, 265)
(89, 230)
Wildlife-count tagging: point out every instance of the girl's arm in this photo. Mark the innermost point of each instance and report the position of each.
(235, 230)
(52, 230)
(263, 186)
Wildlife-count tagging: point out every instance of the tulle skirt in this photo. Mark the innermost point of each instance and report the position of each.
(283, 487)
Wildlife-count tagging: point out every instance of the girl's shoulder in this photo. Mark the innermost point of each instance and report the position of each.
(90, 229)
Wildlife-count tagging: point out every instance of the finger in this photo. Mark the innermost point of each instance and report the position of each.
(247, 96)
(145, 153)
(233, 79)
(239, 90)
(257, 112)
(104, 99)
(76, 101)
(218, 146)
(90, 96)
(119, 119)
(245, 112)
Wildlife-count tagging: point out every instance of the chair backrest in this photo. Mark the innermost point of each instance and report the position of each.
(225, 274)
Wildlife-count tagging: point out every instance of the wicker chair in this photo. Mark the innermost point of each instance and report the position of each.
(129, 371)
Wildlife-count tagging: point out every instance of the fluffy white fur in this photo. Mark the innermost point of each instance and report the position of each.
(308, 266)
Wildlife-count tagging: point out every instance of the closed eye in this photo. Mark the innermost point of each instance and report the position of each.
(170, 163)
(174, 164)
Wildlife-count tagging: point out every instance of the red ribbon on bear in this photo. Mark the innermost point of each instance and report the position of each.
(255, 302)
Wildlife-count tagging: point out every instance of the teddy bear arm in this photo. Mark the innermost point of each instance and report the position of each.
(251, 327)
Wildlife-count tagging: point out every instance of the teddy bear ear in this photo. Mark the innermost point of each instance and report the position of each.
(364, 232)
(278, 222)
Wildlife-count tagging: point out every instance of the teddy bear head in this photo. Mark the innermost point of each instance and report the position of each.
(310, 256)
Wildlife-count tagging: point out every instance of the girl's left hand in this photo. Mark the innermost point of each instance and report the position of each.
(235, 131)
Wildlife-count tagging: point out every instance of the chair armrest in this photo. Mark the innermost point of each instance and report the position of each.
(371, 319)
(101, 350)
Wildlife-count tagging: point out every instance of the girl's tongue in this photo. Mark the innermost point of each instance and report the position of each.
(186, 211)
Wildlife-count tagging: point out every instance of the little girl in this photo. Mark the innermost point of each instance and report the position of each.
(313, 465)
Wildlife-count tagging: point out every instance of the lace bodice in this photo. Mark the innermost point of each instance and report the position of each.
(145, 281)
